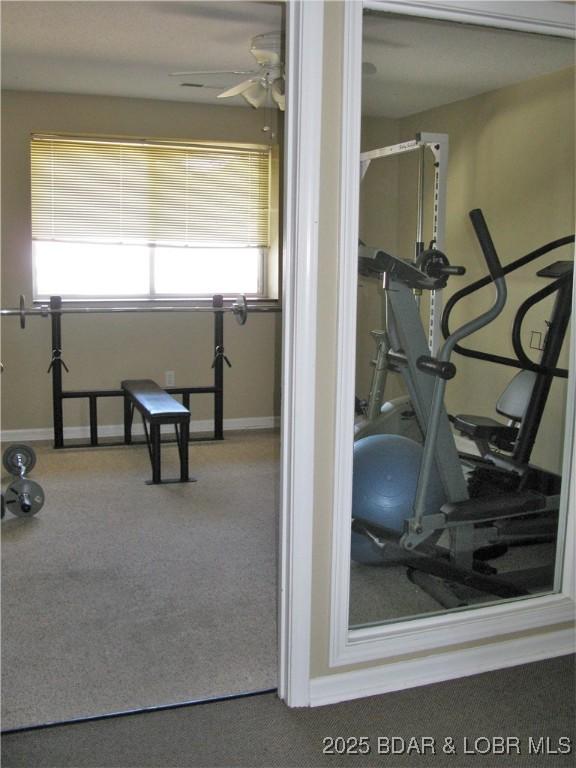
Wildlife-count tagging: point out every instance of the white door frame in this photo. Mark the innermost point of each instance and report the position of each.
(301, 188)
(304, 46)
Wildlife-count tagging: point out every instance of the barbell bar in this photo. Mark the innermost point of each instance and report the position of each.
(240, 309)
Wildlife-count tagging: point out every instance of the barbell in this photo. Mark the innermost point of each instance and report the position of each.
(23, 497)
(240, 309)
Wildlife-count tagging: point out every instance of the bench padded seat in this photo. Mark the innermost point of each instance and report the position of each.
(154, 401)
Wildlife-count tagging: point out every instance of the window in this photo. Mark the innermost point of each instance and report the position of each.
(148, 219)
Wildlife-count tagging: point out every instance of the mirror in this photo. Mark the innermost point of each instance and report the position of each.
(463, 316)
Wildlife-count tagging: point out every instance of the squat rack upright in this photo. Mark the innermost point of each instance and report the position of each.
(437, 144)
(55, 311)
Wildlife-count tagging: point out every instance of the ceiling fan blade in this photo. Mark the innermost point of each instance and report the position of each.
(239, 89)
(203, 85)
(256, 94)
(280, 101)
(215, 72)
(277, 91)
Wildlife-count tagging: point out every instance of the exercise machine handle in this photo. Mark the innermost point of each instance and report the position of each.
(435, 367)
(561, 314)
(452, 270)
(497, 278)
(486, 243)
(443, 356)
(521, 362)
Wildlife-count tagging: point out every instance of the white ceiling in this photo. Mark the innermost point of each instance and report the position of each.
(130, 49)
(423, 64)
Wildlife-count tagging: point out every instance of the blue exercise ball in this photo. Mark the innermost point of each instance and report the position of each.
(386, 469)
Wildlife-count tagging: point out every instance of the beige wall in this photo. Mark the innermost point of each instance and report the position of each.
(558, 171)
(378, 228)
(101, 350)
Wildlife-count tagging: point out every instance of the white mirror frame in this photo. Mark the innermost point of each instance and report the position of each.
(482, 626)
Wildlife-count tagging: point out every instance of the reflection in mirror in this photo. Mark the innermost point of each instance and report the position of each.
(463, 317)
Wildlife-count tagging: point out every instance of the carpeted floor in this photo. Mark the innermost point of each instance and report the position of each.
(121, 595)
(535, 701)
(379, 594)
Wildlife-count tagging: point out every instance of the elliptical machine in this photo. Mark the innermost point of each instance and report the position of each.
(411, 505)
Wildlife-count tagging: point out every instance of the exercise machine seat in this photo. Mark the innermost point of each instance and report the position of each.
(482, 427)
(512, 403)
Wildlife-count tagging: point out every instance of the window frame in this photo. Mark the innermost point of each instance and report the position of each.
(269, 268)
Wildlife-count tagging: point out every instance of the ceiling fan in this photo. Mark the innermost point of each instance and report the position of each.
(266, 82)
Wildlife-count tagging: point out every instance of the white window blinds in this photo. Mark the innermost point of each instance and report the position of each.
(135, 192)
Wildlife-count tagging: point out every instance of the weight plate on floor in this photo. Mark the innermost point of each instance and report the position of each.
(24, 498)
(11, 455)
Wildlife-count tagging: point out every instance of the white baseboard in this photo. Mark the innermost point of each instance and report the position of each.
(436, 668)
(117, 430)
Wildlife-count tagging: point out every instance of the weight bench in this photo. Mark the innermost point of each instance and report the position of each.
(157, 407)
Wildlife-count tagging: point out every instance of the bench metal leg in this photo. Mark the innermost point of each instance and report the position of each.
(93, 405)
(183, 437)
(155, 452)
(128, 416)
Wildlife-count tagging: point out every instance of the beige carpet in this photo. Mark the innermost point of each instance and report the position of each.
(382, 594)
(534, 701)
(120, 595)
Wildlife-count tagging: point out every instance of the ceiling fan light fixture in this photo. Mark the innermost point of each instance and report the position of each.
(267, 49)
